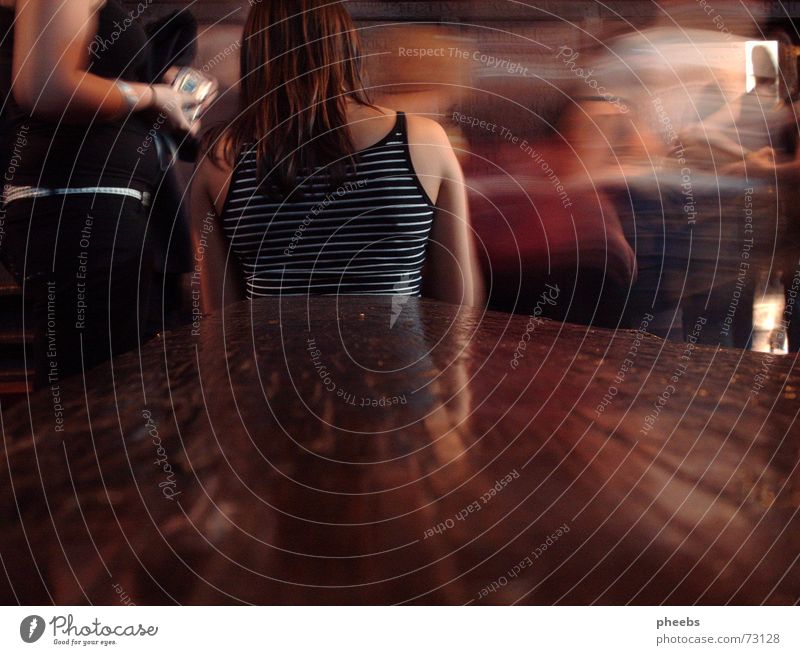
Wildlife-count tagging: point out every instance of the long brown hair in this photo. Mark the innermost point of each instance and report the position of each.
(300, 61)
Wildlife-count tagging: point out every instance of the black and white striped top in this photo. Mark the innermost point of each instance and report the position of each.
(366, 236)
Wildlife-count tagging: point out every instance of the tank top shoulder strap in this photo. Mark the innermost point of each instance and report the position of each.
(397, 133)
(401, 126)
(400, 132)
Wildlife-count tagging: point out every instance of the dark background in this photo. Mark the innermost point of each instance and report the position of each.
(581, 11)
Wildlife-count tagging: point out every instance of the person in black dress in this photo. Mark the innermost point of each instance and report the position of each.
(81, 167)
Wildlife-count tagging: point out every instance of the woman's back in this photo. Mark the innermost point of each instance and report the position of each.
(316, 190)
(363, 234)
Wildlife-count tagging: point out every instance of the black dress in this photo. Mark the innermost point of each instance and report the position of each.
(80, 258)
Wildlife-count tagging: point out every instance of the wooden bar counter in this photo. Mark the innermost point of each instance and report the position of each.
(376, 450)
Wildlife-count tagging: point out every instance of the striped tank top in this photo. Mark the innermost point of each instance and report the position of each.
(368, 235)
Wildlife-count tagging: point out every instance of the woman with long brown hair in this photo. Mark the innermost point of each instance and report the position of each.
(315, 189)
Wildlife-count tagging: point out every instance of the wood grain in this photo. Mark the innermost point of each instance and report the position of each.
(282, 488)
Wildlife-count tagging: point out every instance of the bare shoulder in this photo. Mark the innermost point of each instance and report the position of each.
(432, 155)
(426, 131)
(431, 148)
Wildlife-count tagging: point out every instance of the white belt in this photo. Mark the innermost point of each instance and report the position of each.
(12, 193)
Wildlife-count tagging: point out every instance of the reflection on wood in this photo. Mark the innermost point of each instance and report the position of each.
(310, 453)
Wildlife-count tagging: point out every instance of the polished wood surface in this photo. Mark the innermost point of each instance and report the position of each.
(373, 450)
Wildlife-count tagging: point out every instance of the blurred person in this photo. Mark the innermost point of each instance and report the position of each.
(620, 156)
(554, 241)
(653, 83)
(756, 120)
(81, 167)
(771, 169)
(739, 219)
(699, 231)
(312, 189)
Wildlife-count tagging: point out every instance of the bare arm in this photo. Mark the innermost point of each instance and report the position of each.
(452, 273)
(51, 54)
(220, 282)
(761, 165)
